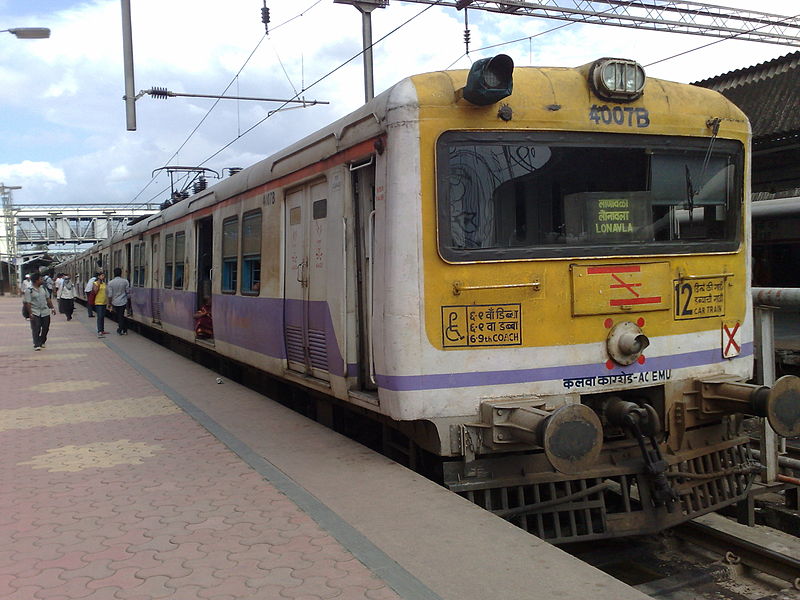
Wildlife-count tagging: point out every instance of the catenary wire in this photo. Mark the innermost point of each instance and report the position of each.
(217, 101)
(328, 74)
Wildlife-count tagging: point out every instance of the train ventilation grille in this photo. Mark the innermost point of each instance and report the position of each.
(318, 349)
(294, 344)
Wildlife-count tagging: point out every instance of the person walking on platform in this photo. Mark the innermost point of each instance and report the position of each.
(100, 290)
(66, 297)
(89, 290)
(118, 292)
(37, 301)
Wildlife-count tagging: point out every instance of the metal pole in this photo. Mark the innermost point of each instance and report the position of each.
(765, 334)
(369, 84)
(365, 7)
(127, 58)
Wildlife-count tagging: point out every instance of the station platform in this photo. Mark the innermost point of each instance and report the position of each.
(128, 472)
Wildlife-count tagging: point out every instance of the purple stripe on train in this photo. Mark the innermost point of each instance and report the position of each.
(407, 383)
(255, 324)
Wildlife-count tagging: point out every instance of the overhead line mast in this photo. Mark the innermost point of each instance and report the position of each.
(695, 18)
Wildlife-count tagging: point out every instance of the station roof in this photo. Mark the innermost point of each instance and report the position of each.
(769, 94)
(777, 80)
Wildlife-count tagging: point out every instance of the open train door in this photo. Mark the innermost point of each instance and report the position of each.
(363, 187)
(307, 322)
(205, 269)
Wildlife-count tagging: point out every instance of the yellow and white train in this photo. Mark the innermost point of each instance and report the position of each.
(538, 275)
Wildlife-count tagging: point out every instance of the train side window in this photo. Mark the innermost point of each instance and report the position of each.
(251, 253)
(230, 254)
(139, 263)
(169, 251)
(180, 259)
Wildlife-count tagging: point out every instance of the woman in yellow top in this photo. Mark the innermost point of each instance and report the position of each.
(100, 300)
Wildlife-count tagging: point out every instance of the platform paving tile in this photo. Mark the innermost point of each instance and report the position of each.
(109, 491)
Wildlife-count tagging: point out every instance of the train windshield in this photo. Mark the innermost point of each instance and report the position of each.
(511, 196)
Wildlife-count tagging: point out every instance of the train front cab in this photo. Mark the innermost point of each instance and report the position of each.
(587, 288)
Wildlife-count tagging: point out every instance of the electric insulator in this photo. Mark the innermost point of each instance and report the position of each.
(200, 185)
(466, 37)
(159, 92)
(265, 17)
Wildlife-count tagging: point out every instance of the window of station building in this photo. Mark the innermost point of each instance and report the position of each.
(230, 254)
(251, 253)
(180, 259)
(169, 251)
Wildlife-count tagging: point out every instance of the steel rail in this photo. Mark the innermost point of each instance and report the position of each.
(762, 559)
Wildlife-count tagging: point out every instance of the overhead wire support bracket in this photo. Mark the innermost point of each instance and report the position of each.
(672, 16)
(164, 93)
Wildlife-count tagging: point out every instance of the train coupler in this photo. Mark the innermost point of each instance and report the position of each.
(642, 421)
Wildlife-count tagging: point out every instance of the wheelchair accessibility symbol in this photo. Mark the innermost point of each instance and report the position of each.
(454, 327)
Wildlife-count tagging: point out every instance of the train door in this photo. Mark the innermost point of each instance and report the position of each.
(363, 186)
(155, 290)
(205, 267)
(126, 266)
(306, 313)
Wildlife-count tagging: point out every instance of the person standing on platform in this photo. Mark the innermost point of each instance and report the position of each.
(26, 284)
(118, 292)
(100, 289)
(37, 301)
(89, 289)
(66, 297)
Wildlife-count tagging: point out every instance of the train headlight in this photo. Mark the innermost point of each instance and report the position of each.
(489, 80)
(617, 79)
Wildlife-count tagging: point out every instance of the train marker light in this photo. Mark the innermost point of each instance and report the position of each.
(489, 80)
(617, 79)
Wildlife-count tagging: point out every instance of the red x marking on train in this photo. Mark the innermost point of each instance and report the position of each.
(731, 341)
(627, 286)
(615, 271)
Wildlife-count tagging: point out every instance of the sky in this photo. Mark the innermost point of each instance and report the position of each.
(63, 135)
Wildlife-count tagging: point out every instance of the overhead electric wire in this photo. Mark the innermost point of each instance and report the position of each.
(328, 74)
(213, 106)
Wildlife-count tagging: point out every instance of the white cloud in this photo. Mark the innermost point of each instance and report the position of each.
(41, 173)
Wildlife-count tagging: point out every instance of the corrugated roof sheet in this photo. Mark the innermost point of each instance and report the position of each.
(768, 93)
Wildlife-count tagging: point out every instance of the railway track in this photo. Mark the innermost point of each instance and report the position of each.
(737, 550)
(710, 558)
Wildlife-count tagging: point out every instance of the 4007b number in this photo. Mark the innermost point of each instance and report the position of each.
(620, 115)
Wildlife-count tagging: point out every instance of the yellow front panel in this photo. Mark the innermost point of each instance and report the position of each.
(571, 303)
